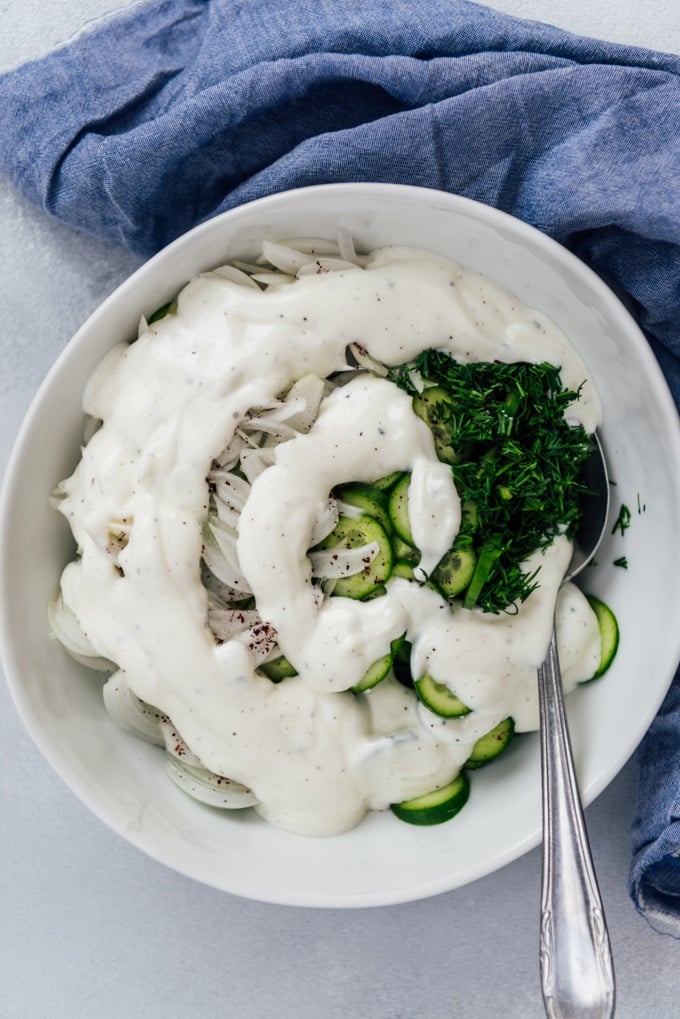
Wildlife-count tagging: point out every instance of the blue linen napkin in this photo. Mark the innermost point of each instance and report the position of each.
(180, 109)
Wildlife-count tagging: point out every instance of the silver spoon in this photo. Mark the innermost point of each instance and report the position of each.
(577, 972)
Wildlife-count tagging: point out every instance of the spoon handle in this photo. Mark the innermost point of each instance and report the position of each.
(577, 972)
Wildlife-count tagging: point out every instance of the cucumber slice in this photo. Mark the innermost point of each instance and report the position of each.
(486, 561)
(435, 406)
(380, 668)
(278, 669)
(455, 570)
(367, 498)
(386, 483)
(349, 533)
(165, 309)
(609, 634)
(491, 744)
(403, 568)
(401, 666)
(373, 675)
(398, 509)
(436, 807)
(439, 699)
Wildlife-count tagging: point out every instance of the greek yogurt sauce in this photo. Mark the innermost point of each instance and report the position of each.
(316, 756)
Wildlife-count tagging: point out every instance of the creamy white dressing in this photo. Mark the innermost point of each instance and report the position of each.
(316, 756)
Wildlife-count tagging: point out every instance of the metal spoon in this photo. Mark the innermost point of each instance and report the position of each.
(577, 972)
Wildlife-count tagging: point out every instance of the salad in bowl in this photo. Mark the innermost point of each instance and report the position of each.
(301, 495)
(322, 513)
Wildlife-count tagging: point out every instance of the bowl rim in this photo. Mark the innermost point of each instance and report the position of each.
(8, 653)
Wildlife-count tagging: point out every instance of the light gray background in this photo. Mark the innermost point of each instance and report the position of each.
(91, 928)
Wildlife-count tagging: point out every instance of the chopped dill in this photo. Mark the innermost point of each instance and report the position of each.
(515, 459)
(641, 507)
(622, 562)
(623, 520)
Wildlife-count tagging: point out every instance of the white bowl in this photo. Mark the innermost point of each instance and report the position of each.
(122, 780)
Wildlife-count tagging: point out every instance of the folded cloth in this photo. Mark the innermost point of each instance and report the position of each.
(180, 109)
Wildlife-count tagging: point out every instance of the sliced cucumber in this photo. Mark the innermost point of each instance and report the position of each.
(349, 533)
(403, 551)
(435, 406)
(609, 634)
(401, 666)
(403, 568)
(491, 744)
(165, 309)
(386, 483)
(373, 675)
(367, 498)
(436, 807)
(455, 570)
(398, 509)
(439, 699)
(278, 669)
(486, 561)
(380, 668)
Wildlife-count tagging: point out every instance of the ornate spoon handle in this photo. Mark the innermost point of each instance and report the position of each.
(577, 972)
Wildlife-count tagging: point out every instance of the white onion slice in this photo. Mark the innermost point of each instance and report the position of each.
(325, 264)
(131, 713)
(325, 521)
(234, 275)
(332, 563)
(208, 788)
(66, 629)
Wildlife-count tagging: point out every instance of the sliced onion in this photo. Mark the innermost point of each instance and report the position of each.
(273, 279)
(67, 630)
(221, 594)
(131, 713)
(304, 398)
(314, 246)
(255, 461)
(325, 264)
(230, 489)
(176, 745)
(208, 788)
(225, 567)
(227, 623)
(346, 248)
(325, 521)
(288, 259)
(332, 563)
(364, 360)
(234, 275)
(345, 509)
(229, 457)
(260, 640)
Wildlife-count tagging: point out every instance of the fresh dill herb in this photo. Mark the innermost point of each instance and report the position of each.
(623, 520)
(515, 459)
(641, 507)
(622, 562)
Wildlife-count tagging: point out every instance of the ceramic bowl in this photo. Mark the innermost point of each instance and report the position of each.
(122, 780)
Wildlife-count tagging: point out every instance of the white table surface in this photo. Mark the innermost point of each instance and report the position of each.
(89, 927)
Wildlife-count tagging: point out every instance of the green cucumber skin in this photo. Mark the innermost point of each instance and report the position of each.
(609, 634)
(278, 669)
(374, 674)
(369, 499)
(435, 807)
(398, 509)
(491, 745)
(439, 699)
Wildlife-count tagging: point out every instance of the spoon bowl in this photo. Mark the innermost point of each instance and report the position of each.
(593, 523)
(577, 972)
